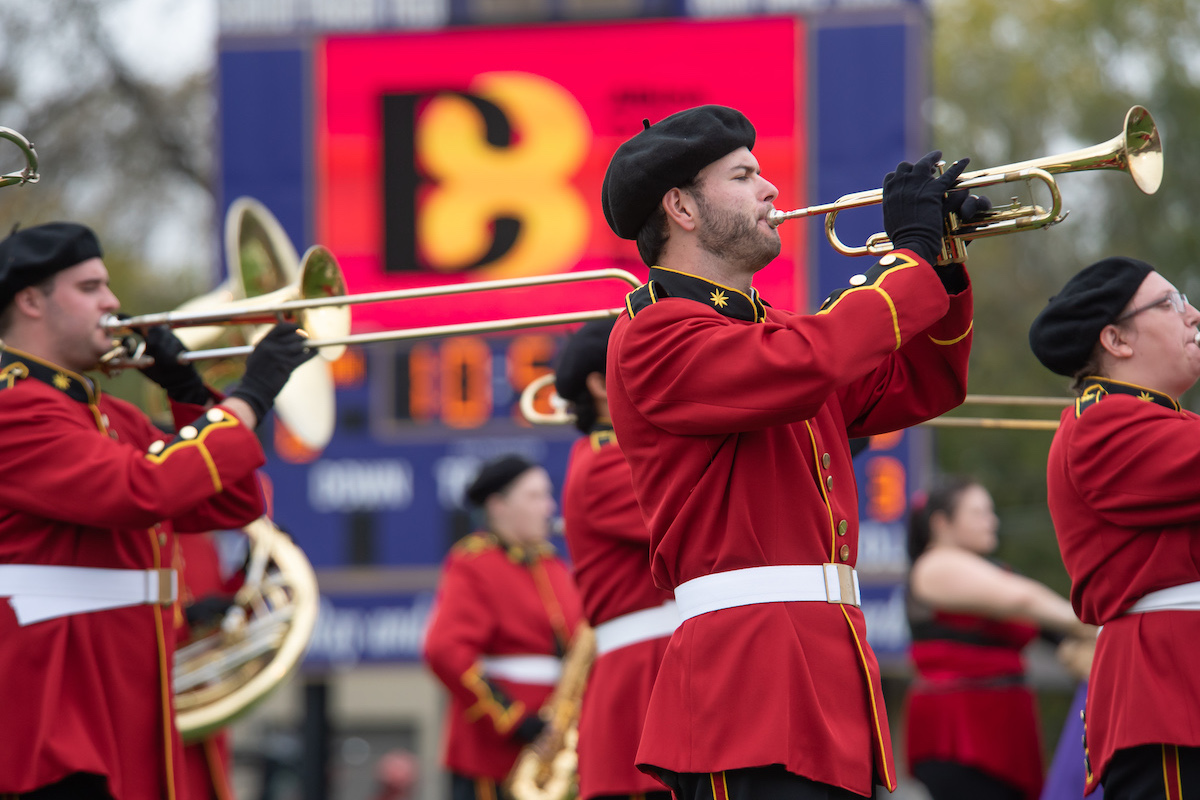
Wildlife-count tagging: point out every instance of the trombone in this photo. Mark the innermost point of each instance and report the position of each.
(1137, 150)
(30, 173)
(318, 301)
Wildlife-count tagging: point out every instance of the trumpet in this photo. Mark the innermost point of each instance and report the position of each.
(30, 173)
(318, 302)
(1137, 150)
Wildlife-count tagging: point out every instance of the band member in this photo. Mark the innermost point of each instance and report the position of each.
(1127, 516)
(206, 595)
(610, 549)
(91, 497)
(503, 617)
(734, 417)
(972, 722)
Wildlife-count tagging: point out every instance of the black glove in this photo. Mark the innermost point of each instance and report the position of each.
(207, 611)
(182, 382)
(915, 204)
(529, 729)
(270, 365)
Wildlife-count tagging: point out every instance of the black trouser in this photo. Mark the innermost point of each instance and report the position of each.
(1153, 772)
(465, 787)
(756, 783)
(79, 786)
(947, 780)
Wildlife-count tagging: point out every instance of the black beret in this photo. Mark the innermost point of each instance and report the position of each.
(584, 353)
(31, 255)
(496, 476)
(666, 155)
(1065, 333)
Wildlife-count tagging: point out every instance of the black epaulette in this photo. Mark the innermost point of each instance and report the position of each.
(1098, 388)
(889, 262)
(15, 366)
(475, 543)
(647, 294)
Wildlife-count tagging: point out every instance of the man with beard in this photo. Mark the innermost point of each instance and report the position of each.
(91, 497)
(1126, 514)
(735, 418)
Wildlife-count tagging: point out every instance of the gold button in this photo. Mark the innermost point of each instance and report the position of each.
(844, 552)
(157, 447)
(888, 260)
(162, 539)
(842, 526)
(825, 461)
(104, 420)
(215, 415)
(829, 482)
(187, 432)
(858, 280)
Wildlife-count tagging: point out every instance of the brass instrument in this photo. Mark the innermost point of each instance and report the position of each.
(1136, 150)
(30, 173)
(317, 300)
(261, 640)
(546, 768)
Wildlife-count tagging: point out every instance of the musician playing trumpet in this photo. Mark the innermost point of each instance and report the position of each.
(505, 613)
(1120, 483)
(734, 417)
(91, 497)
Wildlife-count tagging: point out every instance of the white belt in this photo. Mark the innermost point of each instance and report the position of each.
(537, 670)
(39, 592)
(794, 583)
(637, 626)
(1185, 597)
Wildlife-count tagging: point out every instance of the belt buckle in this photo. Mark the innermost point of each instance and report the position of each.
(167, 591)
(840, 591)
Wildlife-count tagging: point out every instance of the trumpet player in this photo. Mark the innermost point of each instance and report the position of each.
(505, 613)
(734, 417)
(1127, 517)
(610, 549)
(91, 498)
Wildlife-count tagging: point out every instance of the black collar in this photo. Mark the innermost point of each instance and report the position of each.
(16, 365)
(1096, 389)
(724, 299)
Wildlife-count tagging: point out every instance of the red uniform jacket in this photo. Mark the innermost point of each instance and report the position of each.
(969, 704)
(87, 481)
(495, 601)
(1121, 490)
(734, 418)
(207, 761)
(610, 548)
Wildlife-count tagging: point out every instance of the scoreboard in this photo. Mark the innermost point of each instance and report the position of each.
(426, 143)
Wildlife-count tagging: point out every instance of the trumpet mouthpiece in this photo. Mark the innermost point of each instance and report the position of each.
(775, 217)
(1196, 338)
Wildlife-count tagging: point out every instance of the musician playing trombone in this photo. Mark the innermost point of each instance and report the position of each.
(735, 417)
(1121, 491)
(610, 549)
(91, 497)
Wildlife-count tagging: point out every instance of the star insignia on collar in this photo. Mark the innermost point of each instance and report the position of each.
(61, 382)
(719, 298)
(1145, 396)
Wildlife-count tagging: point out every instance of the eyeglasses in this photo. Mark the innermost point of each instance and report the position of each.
(1177, 300)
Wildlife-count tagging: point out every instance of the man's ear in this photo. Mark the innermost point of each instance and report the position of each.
(681, 208)
(30, 301)
(596, 384)
(1116, 341)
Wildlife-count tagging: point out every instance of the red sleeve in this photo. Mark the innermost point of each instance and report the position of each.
(462, 623)
(926, 377)
(687, 368)
(611, 506)
(1165, 446)
(56, 466)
